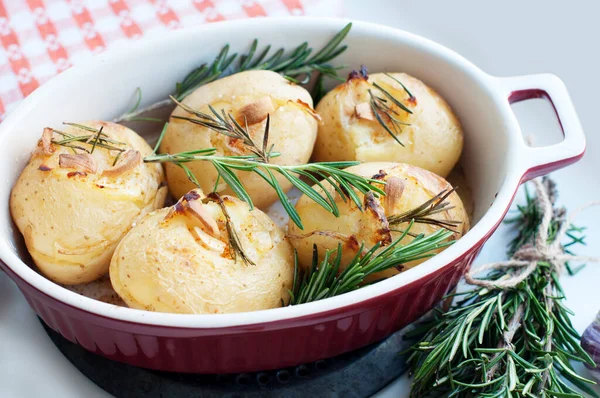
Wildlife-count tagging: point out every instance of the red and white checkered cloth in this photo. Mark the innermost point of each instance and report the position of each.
(41, 38)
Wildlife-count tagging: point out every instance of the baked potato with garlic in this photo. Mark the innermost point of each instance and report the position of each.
(248, 97)
(406, 188)
(202, 257)
(83, 188)
(431, 135)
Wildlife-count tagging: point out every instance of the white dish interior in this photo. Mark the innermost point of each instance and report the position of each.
(103, 89)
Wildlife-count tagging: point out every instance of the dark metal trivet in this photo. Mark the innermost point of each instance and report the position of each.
(360, 373)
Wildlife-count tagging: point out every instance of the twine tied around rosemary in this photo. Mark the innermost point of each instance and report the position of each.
(526, 259)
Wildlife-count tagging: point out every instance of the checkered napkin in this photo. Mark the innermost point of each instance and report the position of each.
(41, 38)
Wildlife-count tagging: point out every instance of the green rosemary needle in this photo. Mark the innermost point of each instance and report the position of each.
(234, 240)
(423, 213)
(87, 142)
(384, 107)
(226, 124)
(133, 115)
(505, 343)
(324, 280)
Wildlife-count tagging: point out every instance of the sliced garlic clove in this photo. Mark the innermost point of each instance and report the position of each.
(207, 240)
(128, 161)
(364, 111)
(46, 141)
(394, 188)
(81, 162)
(200, 212)
(257, 111)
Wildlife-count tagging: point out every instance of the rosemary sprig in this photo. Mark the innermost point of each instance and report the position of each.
(386, 105)
(504, 343)
(226, 124)
(234, 240)
(323, 279)
(423, 214)
(343, 181)
(297, 66)
(96, 139)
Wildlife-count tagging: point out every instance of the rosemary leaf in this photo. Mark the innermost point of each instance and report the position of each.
(234, 240)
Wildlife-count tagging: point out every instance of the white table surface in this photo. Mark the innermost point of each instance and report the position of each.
(503, 38)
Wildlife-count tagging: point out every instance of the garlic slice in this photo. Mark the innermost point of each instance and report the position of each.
(199, 210)
(46, 141)
(257, 111)
(191, 204)
(128, 161)
(394, 188)
(364, 111)
(82, 162)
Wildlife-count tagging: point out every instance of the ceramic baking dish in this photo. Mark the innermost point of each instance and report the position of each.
(496, 161)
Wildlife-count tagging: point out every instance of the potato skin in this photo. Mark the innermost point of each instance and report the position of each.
(432, 141)
(170, 264)
(72, 221)
(293, 130)
(370, 226)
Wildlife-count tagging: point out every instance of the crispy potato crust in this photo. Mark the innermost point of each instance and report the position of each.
(433, 140)
(173, 262)
(411, 187)
(72, 215)
(254, 94)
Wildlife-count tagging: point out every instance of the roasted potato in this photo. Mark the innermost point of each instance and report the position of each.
(248, 97)
(181, 259)
(406, 188)
(432, 135)
(73, 208)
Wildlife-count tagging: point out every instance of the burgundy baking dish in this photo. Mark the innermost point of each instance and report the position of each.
(496, 161)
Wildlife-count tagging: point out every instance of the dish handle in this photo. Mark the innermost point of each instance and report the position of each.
(543, 160)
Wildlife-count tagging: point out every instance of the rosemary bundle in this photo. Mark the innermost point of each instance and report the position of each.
(511, 336)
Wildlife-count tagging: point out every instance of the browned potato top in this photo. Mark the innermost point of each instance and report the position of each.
(180, 260)
(406, 188)
(432, 135)
(73, 208)
(248, 97)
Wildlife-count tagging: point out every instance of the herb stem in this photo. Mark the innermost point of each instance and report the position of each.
(331, 171)
(507, 337)
(549, 303)
(135, 115)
